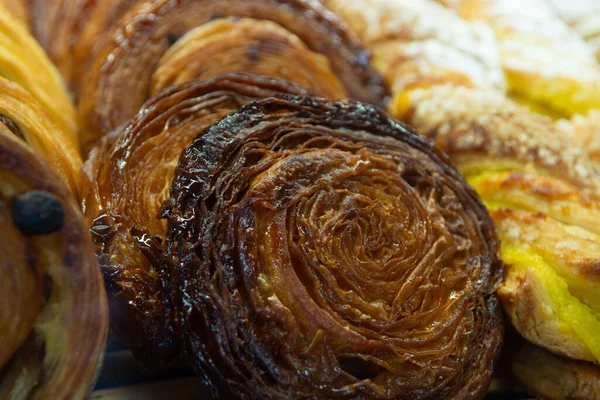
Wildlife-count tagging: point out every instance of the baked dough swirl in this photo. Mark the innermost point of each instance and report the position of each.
(53, 313)
(127, 181)
(120, 75)
(321, 250)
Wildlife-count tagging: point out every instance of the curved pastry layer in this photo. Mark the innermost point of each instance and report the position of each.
(321, 249)
(25, 117)
(53, 313)
(129, 181)
(544, 195)
(249, 46)
(72, 31)
(119, 80)
(23, 61)
(556, 378)
(17, 8)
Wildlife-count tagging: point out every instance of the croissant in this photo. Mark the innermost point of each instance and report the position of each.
(23, 61)
(322, 249)
(53, 313)
(128, 179)
(121, 72)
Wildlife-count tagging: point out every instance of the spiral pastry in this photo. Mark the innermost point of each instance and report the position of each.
(250, 46)
(53, 313)
(128, 181)
(23, 61)
(121, 73)
(323, 250)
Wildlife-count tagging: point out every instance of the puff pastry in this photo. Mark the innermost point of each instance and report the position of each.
(322, 249)
(547, 64)
(53, 313)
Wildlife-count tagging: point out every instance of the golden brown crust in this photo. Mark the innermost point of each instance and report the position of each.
(23, 61)
(118, 82)
(64, 317)
(21, 112)
(250, 46)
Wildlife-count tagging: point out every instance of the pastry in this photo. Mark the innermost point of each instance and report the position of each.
(537, 176)
(25, 117)
(23, 61)
(118, 81)
(53, 313)
(127, 181)
(321, 250)
(547, 64)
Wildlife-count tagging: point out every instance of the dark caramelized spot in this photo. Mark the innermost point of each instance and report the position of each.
(37, 213)
(12, 126)
(359, 368)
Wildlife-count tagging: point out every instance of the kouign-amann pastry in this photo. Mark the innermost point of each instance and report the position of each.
(128, 180)
(322, 249)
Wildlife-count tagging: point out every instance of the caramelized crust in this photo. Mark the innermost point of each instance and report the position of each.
(53, 313)
(128, 181)
(119, 80)
(321, 249)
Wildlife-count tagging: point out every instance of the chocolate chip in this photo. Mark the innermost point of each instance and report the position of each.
(172, 38)
(12, 126)
(37, 213)
(253, 52)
